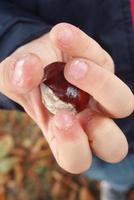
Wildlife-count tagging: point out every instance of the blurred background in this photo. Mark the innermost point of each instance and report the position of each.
(28, 170)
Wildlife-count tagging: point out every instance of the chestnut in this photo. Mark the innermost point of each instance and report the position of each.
(57, 93)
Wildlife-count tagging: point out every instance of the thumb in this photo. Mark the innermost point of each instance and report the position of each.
(20, 74)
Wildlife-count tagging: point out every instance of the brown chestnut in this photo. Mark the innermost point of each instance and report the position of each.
(57, 93)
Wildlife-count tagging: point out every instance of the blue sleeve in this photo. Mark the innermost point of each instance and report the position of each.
(17, 27)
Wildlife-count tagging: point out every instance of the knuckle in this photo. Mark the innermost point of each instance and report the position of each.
(129, 108)
(111, 64)
(103, 83)
(4, 74)
(108, 62)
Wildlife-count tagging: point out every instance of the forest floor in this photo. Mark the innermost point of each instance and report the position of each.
(28, 170)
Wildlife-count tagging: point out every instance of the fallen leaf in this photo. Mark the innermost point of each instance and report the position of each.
(2, 193)
(19, 174)
(56, 190)
(85, 194)
(6, 144)
(7, 164)
(3, 178)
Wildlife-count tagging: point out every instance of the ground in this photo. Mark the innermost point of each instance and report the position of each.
(28, 170)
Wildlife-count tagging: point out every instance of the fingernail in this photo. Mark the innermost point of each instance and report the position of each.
(19, 69)
(65, 36)
(64, 121)
(78, 69)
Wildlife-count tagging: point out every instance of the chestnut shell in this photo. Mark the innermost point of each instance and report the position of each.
(65, 91)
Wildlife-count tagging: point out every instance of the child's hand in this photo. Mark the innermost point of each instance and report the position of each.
(89, 67)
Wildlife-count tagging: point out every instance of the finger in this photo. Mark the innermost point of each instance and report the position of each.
(76, 43)
(69, 143)
(108, 141)
(20, 75)
(43, 48)
(114, 95)
(20, 78)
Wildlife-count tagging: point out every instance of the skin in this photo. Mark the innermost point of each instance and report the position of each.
(22, 72)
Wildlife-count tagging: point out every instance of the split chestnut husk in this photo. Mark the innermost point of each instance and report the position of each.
(57, 93)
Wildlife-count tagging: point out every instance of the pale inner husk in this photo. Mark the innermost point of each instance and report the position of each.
(52, 102)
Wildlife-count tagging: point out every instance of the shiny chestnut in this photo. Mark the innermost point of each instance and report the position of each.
(57, 93)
